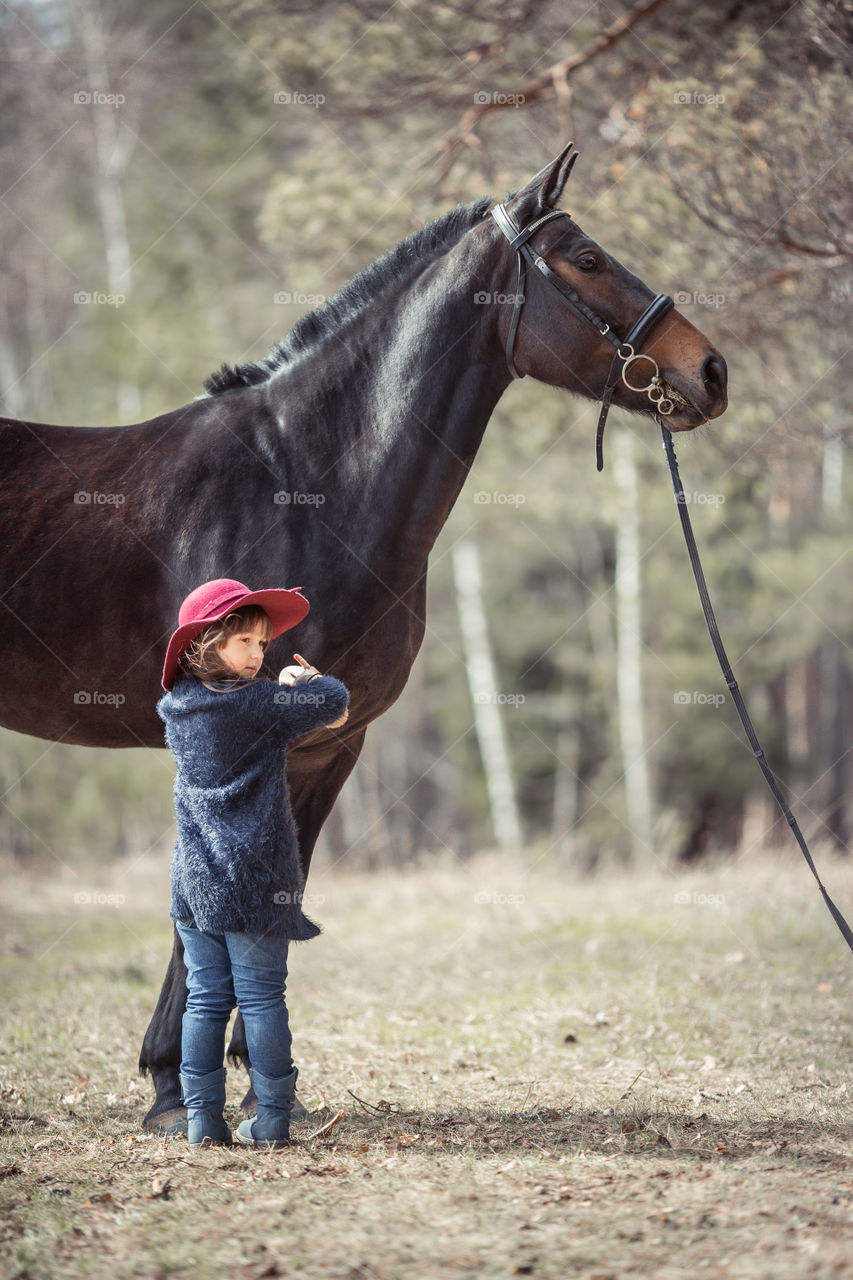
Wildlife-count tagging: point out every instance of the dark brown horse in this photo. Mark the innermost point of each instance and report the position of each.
(330, 465)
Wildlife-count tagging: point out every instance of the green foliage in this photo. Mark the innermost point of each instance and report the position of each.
(712, 165)
(62, 804)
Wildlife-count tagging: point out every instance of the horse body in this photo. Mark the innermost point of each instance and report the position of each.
(331, 466)
(101, 528)
(319, 478)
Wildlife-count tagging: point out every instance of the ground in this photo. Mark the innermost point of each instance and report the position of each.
(639, 1074)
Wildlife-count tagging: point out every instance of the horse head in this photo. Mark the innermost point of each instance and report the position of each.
(572, 346)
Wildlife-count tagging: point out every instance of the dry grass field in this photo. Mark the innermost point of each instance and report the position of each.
(644, 1076)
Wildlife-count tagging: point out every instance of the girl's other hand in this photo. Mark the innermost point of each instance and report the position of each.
(288, 675)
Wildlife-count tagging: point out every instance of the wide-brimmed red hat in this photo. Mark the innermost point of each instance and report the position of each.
(214, 600)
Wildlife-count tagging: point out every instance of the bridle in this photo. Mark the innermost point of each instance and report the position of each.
(625, 352)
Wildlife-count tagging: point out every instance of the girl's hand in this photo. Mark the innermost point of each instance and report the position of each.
(304, 671)
(290, 675)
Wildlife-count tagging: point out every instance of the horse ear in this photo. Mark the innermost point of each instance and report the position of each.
(543, 190)
(557, 175)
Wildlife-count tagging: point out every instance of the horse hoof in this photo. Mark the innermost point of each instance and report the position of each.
(249, 1106)
(169, 1123)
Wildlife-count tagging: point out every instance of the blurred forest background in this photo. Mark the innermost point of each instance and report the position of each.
(180, 181)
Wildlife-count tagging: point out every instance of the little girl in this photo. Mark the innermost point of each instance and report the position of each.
(236, 875)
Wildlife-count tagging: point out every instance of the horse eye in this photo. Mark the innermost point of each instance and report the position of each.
(587, 262)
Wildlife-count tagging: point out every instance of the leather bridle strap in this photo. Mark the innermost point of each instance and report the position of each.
(732, 684)
(518, 240)
(624, 350)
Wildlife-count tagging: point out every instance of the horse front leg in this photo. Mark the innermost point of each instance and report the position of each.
(160, 1055)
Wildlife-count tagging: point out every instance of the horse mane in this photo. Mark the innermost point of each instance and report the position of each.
(397, 266)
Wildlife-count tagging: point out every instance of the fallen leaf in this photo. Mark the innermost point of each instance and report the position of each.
(99, 1197)
(327, 1128)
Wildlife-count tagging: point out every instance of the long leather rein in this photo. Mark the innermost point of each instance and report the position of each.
(627, 355)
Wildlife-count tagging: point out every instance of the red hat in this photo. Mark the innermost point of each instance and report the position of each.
(214, 600)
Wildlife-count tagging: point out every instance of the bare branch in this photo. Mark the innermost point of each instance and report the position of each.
(554, 80)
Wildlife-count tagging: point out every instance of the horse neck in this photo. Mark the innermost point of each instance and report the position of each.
(385, 418)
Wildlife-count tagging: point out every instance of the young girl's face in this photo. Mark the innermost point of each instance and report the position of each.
(244, 652)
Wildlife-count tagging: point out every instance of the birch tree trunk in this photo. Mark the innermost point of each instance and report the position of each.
(564, 808)
(629, 682)
(485, 697)
(111, 156)
(11, 397)
(832, 660)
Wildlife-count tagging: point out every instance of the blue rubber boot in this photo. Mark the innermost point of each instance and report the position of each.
(270, 1126)
(204, 1098)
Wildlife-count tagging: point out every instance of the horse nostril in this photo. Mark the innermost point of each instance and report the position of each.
(714, 374)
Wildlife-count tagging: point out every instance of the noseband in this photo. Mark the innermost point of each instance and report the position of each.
(625, 349)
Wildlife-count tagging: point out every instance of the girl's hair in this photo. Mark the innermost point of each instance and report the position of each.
(201, 656)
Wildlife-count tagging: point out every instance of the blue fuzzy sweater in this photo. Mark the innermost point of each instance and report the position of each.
(236, 867)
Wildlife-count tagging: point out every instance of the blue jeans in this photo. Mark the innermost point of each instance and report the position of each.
(224, 969)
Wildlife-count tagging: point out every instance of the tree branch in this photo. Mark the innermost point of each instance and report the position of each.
(554, 80)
